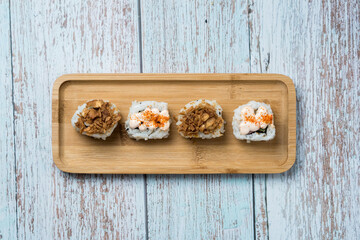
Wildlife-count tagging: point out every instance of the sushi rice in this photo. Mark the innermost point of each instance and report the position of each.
(255, 136)
(103, 136)
(156, 133)
(218, 132)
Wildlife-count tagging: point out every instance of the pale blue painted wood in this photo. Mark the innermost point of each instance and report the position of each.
(201, 36)
(50, 39)
(7, 155)
(260, 207)
(200, 207)
(314, 43)
(317, 44)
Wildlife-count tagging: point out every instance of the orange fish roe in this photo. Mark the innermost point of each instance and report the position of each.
(148, 118)
(250, 118)
(265, 118)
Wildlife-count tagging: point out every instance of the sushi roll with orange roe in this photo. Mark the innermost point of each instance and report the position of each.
(148, 120)
(254, 121)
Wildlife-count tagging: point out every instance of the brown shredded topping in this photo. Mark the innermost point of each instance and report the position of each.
(97, 117)
(202, 118)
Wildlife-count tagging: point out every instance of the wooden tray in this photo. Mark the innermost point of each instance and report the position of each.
(76, 153)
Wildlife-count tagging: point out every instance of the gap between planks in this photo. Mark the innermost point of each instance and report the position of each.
(249, 10)
(141, 71)
(13, 113)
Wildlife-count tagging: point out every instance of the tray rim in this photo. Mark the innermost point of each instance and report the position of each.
(291, 157)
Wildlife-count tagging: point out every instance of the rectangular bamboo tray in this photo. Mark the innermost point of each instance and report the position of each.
(76, 153)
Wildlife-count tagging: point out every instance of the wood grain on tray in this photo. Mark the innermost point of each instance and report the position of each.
(120, 154)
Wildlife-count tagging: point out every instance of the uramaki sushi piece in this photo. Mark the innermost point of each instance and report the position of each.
(148, 120)
(254, 121)
(201, 119)
(96, 118)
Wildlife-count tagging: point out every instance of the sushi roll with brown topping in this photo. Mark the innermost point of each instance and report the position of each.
(96, 118)
(201, 119)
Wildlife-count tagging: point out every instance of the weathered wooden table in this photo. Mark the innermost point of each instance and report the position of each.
(315, 43)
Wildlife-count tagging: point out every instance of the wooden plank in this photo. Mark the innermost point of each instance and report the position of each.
(7, 155)
(200, 36)
(261, 226)
(50, 39)
(317, 44)
(261, 221)
(78, 154)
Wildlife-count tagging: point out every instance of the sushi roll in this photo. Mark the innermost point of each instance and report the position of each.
(148, 120)
(254, 121)
(96, 118)
(201, 119)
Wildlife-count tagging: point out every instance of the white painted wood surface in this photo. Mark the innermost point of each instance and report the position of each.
(7, 156)
(182, 37)
(50, 39)
(316, 44)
